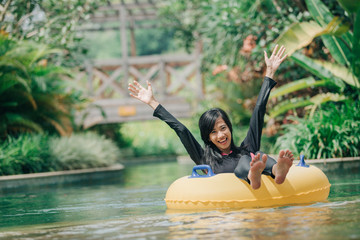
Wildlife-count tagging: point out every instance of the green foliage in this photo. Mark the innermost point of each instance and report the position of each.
(105, 45)
(222, 26)
(152, 138)
(36, 95)
(50, 22)
(30, 153)
(338, 39)
(333, 131)
(230, 96)
(154, 41)
(297, 85)
(25, 154)
(114, 132)
(83, 150)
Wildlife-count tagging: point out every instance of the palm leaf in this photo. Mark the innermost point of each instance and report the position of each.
(9, 62)
(43, 51)
(10, 80)
(316, 69)
(350, 6)
(298, 85)
(59, 128)
(339, 50)
(326, 97)
(285, 106)
(341, 72)
(356, 45)
(323, 98)
(7, 81)
(30, 98)
(15, 121)
(30, 52)
(301, 34)
(301, 102)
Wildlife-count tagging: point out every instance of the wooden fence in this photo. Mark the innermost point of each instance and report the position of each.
(174, 78)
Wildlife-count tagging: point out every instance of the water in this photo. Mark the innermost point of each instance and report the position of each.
(132, 207)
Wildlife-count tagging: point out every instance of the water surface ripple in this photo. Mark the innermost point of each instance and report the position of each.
(133, 208)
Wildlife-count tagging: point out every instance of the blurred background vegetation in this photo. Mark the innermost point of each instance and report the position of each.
(313, 110)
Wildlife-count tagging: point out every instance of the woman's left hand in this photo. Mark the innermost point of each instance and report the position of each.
(274, 61)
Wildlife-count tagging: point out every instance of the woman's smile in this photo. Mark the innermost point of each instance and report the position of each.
(223, 142)
(220, 136)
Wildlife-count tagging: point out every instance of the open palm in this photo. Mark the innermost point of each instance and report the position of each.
(275, 59)
(141, 93)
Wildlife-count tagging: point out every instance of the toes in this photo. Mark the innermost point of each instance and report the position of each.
(256, 157)
(287, 152)
(282, 153)
(264, 158)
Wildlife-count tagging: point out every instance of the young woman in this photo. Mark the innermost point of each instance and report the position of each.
(220, 151)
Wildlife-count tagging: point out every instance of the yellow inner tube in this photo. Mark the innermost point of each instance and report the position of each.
(225, 190)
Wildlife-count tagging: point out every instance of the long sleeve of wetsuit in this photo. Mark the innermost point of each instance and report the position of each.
(253, 137)
(192, 146)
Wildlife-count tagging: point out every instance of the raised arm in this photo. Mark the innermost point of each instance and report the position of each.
(193, 148)
(253, 138)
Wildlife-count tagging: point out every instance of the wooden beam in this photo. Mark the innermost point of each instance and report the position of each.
(138, 5)
(132, 39)
(126, 110)
(124, 47)
(175, 59)
(130, 17)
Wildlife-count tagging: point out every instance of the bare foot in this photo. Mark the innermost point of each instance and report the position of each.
(281, 168)
(257, 166)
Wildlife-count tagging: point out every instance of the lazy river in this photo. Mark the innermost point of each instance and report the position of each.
(133, 207)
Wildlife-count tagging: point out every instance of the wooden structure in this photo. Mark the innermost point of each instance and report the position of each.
(173, 76)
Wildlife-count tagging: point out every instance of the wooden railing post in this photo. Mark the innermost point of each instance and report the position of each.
(124, 47)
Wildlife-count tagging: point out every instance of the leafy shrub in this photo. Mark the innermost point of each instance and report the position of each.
(34, 93)
(84, 150)
(31, 153)
(333, 132)
(153, 138)
(25, 154)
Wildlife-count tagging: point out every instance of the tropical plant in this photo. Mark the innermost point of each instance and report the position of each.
(34, 93)
(25, 154)
(54, 23)
(234, 35)
(340, 74)
(222, 26)
(83, 150)
(333, 131)
(32, 153)
(151, 139)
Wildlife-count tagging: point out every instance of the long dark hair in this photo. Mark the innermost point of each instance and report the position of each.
(206, 124)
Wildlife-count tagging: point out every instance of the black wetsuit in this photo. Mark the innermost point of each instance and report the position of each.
(234, 162)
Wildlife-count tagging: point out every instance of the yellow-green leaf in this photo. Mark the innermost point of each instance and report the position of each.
(341, 72)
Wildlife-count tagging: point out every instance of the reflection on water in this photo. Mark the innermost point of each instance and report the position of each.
(134, 209)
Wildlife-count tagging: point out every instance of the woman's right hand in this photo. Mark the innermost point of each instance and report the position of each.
(143, 94)
(274, 61)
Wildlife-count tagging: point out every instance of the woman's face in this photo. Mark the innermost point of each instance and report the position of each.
(221, 136)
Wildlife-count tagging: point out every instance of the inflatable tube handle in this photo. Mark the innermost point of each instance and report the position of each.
(302, 162)
(195, 174)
